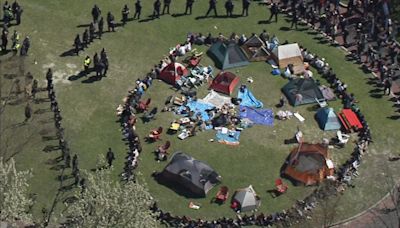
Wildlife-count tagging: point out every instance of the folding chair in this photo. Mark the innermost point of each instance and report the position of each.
(155, 134)
(321, 102)
(343, 138)
(222, 195)
(280, 186)
(143, 105)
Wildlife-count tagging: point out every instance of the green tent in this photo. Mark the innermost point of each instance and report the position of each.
(227, 56)
(302, 91)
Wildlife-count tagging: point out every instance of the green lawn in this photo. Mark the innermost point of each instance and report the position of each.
(88, 109)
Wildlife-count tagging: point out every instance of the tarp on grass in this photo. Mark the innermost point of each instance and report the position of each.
(229, 138)
(198, 107)
(248, 98)
(257, 116)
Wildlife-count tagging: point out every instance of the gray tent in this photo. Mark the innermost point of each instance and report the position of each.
(247, 198)
(302, 91)
(191, 174)
(227, 55)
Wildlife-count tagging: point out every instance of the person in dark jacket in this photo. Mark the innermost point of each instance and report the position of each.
(110, 157)
(156, 9)
(212, 5)
(189, 6)
(96, 12)
(245, 5)
(125, 14)
(110, 22)
(101, 27)
(77, 44)
(167, 3)
(138, 10)
(229, 8)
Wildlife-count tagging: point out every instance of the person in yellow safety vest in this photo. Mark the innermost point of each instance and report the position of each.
(86, 64)
(15, 41)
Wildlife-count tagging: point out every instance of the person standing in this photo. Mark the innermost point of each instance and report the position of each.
(74, 163)
(28, 112)
(104, 61)
(96, 12)
(34, 89)
(189, 6)
(245, 5)
(85, 38)
(138, 10)
(294, 19)
(17, 12)
(101, 27)
(86, 65)
(77, 44)
(387, 85)
(26, 44)
(96, 59)
(15, 41)
(167, 3)
(156, 9)
(212, 5)
(4, 39)
(92, 31)
(125, 14)
(110, 22)
(274, 12)
(110, 157)
(229, 8)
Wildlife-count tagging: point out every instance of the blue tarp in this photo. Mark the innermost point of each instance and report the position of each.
(257, 116)
(231, 138)
(248, 99)
(198, 107)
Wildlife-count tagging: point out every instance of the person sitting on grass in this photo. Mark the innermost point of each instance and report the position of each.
(162, 151)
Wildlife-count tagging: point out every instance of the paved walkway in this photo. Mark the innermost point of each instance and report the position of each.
(382, 214)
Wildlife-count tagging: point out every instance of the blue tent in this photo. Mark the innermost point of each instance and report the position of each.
(327, 119)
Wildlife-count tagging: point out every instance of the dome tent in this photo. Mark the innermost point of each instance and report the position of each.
(327, 119)
(227, 55)
(247, 199)
(308, 164)
(193, 175)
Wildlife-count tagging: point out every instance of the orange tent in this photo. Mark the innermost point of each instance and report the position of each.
(309, 164)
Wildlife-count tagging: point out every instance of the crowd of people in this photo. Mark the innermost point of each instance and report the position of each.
(10, 13)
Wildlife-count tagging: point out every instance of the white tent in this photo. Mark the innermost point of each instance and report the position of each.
(247, 198)
(289, 54)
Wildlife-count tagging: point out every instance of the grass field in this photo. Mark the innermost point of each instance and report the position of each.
(88, 109)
